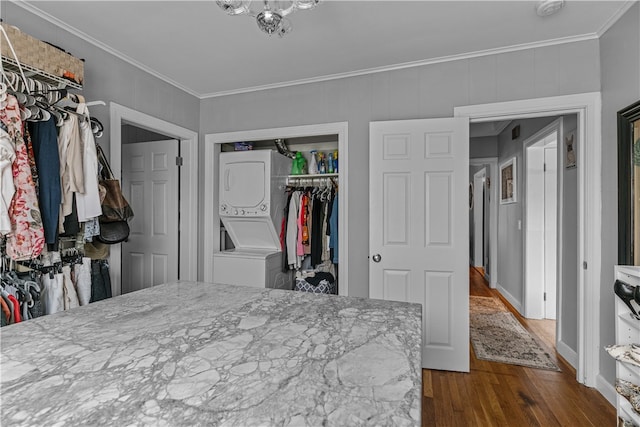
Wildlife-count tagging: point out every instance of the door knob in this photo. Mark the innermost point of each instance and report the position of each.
(377, 258)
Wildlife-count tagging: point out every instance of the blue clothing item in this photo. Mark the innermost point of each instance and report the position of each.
(100, 280)
(44, 138)
(333, 226)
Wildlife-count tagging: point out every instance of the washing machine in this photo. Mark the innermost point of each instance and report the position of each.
(251, 206)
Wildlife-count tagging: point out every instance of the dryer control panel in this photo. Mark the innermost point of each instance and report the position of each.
(225, 210)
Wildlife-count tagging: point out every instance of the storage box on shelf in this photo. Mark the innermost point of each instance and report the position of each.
(47, 62)
(627, 332)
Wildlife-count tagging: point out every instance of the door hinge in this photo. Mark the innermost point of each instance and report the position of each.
(544, 296)
(179, 161)
(584, 265)
(544, 167)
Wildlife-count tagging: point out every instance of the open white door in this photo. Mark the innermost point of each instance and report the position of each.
(150, 184)
(419, 229)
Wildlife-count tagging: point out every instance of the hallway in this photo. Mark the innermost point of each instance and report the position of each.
(495, 394)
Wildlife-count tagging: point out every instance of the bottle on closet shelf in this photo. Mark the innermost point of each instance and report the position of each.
(335, 161)
(322, 164)
(330, 163)
(313, 163)
(298, 165)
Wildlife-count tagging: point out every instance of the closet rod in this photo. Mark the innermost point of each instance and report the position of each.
(314, 176)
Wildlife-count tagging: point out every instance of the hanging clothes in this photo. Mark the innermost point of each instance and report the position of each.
(100, 280)
(301, 224)
(88, 201)
(316, 232)
(82, 275)
(292, 231)
(71, 167)
(7, 188)
(68, 289)
(333, 230)
(26, 238)
(44, 137)
(53, 292)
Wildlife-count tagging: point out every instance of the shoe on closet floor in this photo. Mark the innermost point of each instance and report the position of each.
(629, 353)
(627, 388)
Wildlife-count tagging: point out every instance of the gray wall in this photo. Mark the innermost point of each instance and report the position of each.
(620, 68)
(569, 219)
(131, 134)
(421, 92)
(485, 146)
(108, 78)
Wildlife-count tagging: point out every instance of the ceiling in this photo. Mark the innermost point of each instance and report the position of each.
(197, 47)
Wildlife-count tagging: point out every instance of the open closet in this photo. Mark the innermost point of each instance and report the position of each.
(303, 246)
(50, 201)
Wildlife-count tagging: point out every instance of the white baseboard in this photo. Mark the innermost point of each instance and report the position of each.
(567, 354)
(514, 302)
(606, 389)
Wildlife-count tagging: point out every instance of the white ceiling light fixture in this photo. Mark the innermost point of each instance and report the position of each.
(548, 7)
(272, 17)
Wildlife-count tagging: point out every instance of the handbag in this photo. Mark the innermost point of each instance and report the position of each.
(114, 206)
(113, 232)
(116, 211)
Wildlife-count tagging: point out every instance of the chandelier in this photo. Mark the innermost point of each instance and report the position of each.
(271, 18)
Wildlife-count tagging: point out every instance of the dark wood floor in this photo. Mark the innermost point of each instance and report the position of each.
(497, 394)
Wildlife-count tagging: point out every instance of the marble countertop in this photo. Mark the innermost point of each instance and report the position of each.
(192, 353)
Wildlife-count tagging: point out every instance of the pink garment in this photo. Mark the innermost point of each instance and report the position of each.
(300, 223)
(26, 239)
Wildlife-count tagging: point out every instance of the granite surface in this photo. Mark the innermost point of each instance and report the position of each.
(191, 353)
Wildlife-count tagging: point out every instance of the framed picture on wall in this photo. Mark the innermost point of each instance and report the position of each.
(508, 182)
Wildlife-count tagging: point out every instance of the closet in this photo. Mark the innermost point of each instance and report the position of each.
(308, 225)
(49, 186)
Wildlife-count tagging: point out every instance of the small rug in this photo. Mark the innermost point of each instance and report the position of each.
(497, 336)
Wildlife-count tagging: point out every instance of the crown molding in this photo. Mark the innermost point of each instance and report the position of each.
(100, 45)
(449, 58)
(615, 17)
(404, 65)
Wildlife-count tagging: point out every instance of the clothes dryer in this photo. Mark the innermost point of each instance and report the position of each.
(251, 206)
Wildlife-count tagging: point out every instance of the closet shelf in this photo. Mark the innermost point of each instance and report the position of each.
(10, 64)
(312, 176)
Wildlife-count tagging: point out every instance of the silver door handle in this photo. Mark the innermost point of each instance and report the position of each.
(377, 258)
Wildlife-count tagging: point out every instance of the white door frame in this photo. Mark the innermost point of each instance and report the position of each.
(212, 143)
(533, 296)
(478, 190)
(188, 186)
(493, 215)
(588, 107)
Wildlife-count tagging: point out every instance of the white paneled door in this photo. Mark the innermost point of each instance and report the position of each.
(419, 229)
(150, 184)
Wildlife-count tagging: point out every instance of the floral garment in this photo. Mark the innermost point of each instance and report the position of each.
(26, 239)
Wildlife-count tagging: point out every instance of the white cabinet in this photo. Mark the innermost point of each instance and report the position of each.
(627, 332)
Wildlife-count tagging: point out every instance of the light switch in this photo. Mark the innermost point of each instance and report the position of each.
(519, 224)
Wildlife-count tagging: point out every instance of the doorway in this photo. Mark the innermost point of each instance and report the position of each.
(541, 222)
(188, 183)
(150, 182)
(588, 216)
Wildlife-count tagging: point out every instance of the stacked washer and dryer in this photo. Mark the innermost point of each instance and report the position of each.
(251, 206)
